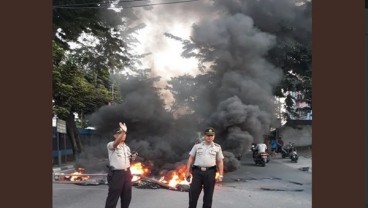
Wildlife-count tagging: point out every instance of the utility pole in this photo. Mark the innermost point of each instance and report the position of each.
(112, 91)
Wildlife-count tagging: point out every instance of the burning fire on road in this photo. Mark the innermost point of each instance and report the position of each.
(76, 176)
(172, 180)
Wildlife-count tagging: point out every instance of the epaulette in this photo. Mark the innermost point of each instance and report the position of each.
(198, 144)
(217, 145)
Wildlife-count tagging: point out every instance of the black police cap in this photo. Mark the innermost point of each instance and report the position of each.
(209, 131)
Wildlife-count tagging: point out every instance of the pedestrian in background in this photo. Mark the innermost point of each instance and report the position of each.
(273, 144)
(119, 177)
(204, 160)
(280, 144)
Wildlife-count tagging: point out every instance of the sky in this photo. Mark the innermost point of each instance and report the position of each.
(165, 57)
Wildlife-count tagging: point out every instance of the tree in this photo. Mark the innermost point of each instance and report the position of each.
(81, 74)
(293, 50)
(295, 60)
(73, 92)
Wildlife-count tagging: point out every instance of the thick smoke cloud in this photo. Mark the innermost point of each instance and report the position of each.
(152, 131)
(233, 95)
(244, 107)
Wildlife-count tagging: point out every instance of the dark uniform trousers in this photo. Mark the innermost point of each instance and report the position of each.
(207, 179)
(120, 185)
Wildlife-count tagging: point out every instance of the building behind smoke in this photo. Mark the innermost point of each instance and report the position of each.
(300, 103)
(297, 131)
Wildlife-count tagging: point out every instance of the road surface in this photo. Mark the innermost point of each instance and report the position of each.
(281, 184)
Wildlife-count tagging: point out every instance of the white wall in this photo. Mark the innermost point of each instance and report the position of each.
(301, 137)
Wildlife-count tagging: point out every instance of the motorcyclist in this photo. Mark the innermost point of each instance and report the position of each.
(261, 147)
(253, 148)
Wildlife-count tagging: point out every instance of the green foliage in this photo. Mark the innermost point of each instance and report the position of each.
(294, 56)
(81, 75)
(83, 16)
(295, 59)
(96, 31)
(72, 92)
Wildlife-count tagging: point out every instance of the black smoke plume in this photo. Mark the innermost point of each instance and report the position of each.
(234, 94)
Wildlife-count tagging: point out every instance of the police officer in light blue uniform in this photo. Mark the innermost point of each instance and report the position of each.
(204, 160)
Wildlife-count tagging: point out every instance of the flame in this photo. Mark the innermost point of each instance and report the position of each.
(175, 177)
(172, 178)
(135, 178)
(138, 170)
(77, 176)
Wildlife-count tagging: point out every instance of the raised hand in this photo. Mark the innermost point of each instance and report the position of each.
(123, 126)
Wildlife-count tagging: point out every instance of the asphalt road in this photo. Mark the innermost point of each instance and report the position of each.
(278, 185)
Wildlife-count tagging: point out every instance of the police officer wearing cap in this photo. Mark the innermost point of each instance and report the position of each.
(119, 177)
(204, 160)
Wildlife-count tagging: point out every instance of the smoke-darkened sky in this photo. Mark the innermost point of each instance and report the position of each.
(233, 94)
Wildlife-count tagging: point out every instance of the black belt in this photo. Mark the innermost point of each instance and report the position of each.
(126, 169)
(203, 168)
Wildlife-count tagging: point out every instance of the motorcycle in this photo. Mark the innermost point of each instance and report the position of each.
(290, 152)
(294, 156)
(286, 151)
(260, 158)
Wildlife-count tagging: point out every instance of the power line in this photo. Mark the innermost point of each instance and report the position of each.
(105, 6)
(82, 4)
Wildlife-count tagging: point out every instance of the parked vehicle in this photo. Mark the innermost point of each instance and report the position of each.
(286, 151)
(290, 152)
(294, 155)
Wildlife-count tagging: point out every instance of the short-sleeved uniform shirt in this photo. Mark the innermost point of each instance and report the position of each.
(119, 156)
(206, 155)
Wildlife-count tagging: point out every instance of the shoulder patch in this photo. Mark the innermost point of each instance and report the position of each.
(217, 145)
